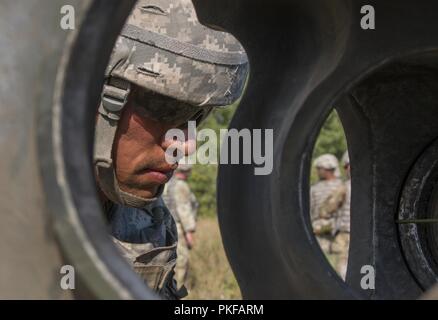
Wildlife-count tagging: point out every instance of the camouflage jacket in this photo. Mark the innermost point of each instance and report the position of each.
(337, 205)
(147, 238)
(323, 220)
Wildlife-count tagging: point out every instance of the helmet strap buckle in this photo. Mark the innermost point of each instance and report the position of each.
(115, 96)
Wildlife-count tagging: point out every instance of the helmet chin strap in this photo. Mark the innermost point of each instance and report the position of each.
(114, 98)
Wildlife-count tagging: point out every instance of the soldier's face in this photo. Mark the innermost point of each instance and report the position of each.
(325, 174)
(139, 153)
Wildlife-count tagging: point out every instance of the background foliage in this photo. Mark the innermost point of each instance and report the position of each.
(203, 178)
(210, 276)
(331, 138)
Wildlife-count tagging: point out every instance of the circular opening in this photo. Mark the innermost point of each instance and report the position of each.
(330, 192)
(386, 117)
(81, 228)
(417, 218)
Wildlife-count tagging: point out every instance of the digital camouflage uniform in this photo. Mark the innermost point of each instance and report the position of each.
(323, 220)
(147, 238)
(183, 206)
(340, 201)
(163, 52)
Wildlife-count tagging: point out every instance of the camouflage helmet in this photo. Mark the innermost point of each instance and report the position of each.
(327, 161)
(164, 50)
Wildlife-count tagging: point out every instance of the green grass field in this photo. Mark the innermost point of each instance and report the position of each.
(210, 275)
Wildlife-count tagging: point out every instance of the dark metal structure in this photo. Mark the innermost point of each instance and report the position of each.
(50, 85)
(306, 57)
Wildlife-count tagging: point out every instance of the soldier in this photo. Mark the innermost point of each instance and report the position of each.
(323, 221)
(166, 69)
(183, 206)
(341, 199)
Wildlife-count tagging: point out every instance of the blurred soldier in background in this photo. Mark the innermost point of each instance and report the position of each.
(323, 220)
(183, 206)
(166, 69)
(340, 202)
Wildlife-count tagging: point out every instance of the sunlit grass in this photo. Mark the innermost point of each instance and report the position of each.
(210, 275)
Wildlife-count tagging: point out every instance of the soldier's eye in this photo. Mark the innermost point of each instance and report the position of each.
(183, 126)
(198, 117)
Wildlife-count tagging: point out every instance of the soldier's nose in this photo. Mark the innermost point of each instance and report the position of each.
(183, 143)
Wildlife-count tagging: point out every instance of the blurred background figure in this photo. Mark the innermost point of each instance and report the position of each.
(183, 206)
(340, 202)
(323, 219)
